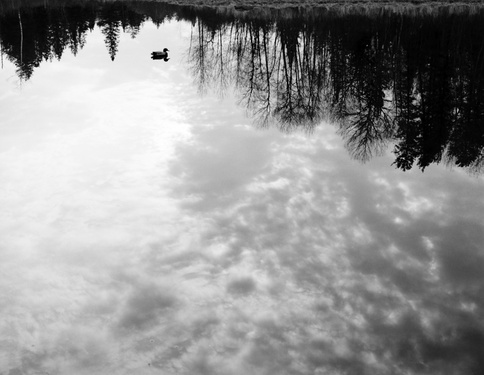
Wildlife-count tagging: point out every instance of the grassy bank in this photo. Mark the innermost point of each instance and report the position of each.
(250, 4)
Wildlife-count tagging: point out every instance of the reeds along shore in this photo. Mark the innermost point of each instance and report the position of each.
(248, 5)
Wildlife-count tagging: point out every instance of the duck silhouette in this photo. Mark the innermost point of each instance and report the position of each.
(160, 55)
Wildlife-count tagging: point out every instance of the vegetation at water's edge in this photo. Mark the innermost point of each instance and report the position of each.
(249, 4)
(411, 79)
(244, 5)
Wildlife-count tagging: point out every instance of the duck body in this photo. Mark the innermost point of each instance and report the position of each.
(160, 55)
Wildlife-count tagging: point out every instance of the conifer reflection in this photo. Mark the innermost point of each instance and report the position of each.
(410, 80)
(31, 35)
(407, 80)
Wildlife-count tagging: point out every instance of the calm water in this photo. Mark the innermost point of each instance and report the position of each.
(297, 194)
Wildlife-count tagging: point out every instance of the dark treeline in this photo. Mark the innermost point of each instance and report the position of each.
(30, 33)
(412, 80)
(407, 79)
(35, 31)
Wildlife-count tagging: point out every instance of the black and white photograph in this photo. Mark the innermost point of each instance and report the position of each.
(241, 187)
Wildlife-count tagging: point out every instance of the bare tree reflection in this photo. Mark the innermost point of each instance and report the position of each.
(411, 81)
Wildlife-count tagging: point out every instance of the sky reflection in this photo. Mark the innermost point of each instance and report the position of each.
(145, 229)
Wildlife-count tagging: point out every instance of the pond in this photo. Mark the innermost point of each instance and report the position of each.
(289, 191)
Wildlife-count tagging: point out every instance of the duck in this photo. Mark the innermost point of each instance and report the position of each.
(160, 55)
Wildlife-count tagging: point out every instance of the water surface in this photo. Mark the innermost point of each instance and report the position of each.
(212, 214)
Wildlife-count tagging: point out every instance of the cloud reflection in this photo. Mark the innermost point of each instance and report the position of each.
(192, 243)
(373, 257)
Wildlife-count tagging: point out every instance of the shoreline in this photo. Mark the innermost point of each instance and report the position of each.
(251, 4)
(269, 8)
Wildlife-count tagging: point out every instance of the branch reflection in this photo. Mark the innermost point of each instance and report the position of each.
(406, 79)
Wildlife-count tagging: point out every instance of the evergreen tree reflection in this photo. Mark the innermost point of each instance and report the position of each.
(110, 24)
(115, 17)
(410, 80)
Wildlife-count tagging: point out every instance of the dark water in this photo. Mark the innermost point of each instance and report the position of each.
(288, 192)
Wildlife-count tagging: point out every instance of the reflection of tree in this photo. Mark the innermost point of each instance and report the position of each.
(32, 34)
(411, 80)
(360, 102)
(277, 81)
(440, 98)
(80, 21)
(110, 24)
(300, 87)
(45, 34)
(112, 18)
